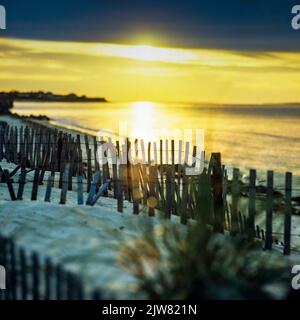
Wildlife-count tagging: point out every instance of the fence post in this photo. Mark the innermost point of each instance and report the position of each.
(48, 278)
(115, 170)
(63, 195)
(269, 210)
(152, 199)
(71, 288)
(97, 166)
(241, 223)
(120, 189)
(93, 188)
(9, 185)
(12, 274)
(225, 182)
(288, 213)
(217, 185)
(174, 207)
(161, 169)
(35, 184)
(186, 153)
(35, 277)
(144, 173)
(59, 283)
(49, 188)
(251, 207)
(262, 231)
(1, 141)
(258, 234)
(22, 182)
(169, 204)
(235, 194)
(79, 190)
(129, 158)
(89, 168)
(184, 199)
(100, 192)
(136, 197)
(23, 270)
(2, 263)
(204, 200)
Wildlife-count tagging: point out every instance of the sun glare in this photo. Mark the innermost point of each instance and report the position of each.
(147, 53)
(143, 120)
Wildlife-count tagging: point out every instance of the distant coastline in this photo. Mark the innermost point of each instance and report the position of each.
(41, 96)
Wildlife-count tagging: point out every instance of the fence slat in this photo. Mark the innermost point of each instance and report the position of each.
(93, 186)
(136, 196)
(35, 185)
(22, 182)
(100, 192)
(48, 278)
(13, 271)
(235, 194)
(269, 210)
(63, 194)
(58, 283)
(184, 198)
(152, 199)
(169, 203)
(49, 188)
(288, 213)
(217, 186)
(23, 274)
(35, 277)
(161, 168)
(120, 189)
(11, 190)
(251, 207)
(115, 170)
(79, 190)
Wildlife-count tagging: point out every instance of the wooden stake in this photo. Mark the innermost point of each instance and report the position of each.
(251, 207)
(288, 213)
(269, 211)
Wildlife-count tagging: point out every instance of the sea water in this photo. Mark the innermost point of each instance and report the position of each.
(263, 137)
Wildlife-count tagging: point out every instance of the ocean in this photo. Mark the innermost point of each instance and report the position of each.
(264, 137)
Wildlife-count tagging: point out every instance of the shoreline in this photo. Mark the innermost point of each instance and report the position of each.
(91, 100)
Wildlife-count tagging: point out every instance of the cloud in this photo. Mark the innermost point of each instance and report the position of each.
(148, 72)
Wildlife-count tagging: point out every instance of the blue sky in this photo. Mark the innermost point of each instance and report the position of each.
(233, 24)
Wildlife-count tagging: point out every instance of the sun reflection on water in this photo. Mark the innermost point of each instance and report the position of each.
(143, 120)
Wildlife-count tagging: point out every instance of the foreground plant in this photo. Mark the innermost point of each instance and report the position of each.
(194, 263)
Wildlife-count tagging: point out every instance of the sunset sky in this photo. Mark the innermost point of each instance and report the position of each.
(189, 51)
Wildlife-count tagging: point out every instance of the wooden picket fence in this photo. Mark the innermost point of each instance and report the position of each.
(159, 182)
(30, 277)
